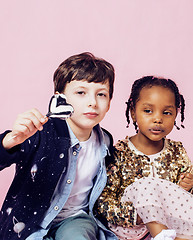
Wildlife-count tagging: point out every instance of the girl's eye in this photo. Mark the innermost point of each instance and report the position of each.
(147, 111)
(167, 113)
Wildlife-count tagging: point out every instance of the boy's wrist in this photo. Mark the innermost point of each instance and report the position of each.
(7, 142)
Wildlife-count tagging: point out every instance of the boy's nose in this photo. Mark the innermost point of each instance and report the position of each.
(92, 102)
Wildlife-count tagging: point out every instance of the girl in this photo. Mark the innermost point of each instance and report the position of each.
(144, 192)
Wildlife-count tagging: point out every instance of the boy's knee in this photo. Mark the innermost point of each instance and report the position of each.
(75, 234)
(80, 228)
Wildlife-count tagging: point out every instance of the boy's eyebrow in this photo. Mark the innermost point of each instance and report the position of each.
(104, 88)
(79, 87)
(99, 89)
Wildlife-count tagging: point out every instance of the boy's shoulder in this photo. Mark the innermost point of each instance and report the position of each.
(108, 137)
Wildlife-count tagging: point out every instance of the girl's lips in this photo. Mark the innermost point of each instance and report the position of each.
(156, 130)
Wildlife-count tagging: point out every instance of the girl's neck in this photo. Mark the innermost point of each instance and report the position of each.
(147, 146)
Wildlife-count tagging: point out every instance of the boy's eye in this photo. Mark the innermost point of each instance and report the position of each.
(102, 94)
(80, 92)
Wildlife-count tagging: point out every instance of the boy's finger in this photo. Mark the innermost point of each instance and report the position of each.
(33, 119)
(39, 115)
(27, 122)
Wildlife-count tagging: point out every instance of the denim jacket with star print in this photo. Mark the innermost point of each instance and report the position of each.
(40, 161)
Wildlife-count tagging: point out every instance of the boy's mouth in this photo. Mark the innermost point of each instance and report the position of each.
(91, 114)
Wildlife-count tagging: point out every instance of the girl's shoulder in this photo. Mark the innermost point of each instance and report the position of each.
(171, 144)
(123, 144)
(122, 151)
(176, 150)
(125, 151)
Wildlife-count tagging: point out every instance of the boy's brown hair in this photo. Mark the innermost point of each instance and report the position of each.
(84, 66)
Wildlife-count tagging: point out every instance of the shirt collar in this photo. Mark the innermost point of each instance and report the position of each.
(74, 139)
(97, 128)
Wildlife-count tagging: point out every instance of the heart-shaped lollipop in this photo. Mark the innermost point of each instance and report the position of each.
(59, 108)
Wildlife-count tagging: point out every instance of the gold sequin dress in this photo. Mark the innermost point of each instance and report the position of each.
(117, 203)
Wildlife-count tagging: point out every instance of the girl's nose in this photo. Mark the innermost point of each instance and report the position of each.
(158, 119)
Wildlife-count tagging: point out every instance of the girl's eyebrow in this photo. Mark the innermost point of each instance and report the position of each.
(148, 104)
(151, 105)
(170, 106)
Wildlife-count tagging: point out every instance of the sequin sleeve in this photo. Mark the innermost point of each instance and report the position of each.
(109, 205)
(184, 157)
(186, 165)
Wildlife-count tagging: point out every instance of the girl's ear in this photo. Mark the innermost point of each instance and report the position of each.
(132, 111)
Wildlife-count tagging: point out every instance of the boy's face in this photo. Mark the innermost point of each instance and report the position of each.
(90, 101)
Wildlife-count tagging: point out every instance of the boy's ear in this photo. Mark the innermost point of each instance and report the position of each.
(109, 105)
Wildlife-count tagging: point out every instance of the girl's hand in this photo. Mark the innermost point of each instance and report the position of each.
(26, 125)
(186, 181)
(139, 220)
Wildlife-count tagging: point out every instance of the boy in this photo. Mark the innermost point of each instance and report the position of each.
(60, 167)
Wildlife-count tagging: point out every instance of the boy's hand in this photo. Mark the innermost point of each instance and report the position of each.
(186, 181)
(26, 125)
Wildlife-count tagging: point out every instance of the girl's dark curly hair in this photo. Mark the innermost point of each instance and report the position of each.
(149, 81)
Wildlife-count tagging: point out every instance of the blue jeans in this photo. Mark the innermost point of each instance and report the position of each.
(79, 227)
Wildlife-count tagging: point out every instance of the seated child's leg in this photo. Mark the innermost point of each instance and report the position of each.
(80, 227)
(155, 228)
(181, 238)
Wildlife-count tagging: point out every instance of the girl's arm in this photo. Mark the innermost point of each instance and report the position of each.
(109, 204)
(186, 182)
(186, 177)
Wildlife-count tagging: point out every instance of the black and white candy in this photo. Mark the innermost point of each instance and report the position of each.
(59, 108)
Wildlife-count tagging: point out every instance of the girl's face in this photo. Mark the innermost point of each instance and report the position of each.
(155, 113)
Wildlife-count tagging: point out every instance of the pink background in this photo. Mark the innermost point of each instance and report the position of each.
(137, 37)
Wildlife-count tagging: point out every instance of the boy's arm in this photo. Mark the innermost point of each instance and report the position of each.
(26, 125)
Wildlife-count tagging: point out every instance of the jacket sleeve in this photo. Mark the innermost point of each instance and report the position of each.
(7, 157)
(109, 204)
(15, 154)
